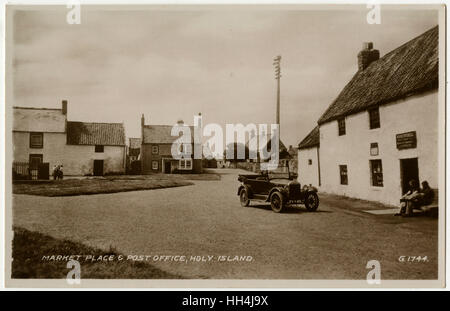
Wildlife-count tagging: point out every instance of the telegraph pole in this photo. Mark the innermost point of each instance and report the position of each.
(276, 63)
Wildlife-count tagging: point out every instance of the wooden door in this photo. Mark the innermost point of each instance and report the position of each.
(98, 167)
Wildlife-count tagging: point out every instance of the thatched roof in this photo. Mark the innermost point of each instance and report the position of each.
(409, 69)
(311, 140)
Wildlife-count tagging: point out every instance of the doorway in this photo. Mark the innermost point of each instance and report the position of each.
(409, 170)
(167, 167)
(98, 167)
(35, 160)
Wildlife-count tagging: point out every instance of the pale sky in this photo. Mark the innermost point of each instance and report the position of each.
(172, 64)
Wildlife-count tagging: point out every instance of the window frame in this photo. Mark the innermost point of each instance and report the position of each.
(155, 147)
(343, 174)
(374, 147)
(155, 167)
(182, 164)
(374, 180)
(374, 123)
(99, 148)
(309, 161)
(342, 128)
(37, 146)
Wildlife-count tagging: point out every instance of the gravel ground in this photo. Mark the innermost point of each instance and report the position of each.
(336, 242)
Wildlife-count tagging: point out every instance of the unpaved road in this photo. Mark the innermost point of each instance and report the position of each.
(207, 219)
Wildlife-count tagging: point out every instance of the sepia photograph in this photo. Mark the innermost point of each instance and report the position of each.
(281, 146)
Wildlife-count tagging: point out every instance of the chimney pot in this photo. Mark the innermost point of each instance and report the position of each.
(64, 107)
(367, 45)
(367, 56)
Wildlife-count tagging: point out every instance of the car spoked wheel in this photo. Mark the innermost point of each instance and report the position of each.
(244, 198)
(311, 201)
(277, 202)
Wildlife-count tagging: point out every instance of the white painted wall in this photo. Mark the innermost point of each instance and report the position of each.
(76, 159)
(53, 147)
(308, 174)
(417, 113)
(79, 159)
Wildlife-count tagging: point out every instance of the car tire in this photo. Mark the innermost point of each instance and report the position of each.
(277, 202)
(311, 201)
(243, 197)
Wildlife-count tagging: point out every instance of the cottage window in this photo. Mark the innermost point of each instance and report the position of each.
(99, 148)
(374, 118)
(154, 165)
(377, 173)
(309, 162)
(185, 164)
(343, 174)
(341, 126)
(155, 149)
(36, 140)
(374, 149)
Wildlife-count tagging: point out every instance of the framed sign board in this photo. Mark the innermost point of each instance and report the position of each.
(406, 140)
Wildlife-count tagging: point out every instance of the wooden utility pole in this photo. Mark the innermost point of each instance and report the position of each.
(277, 61)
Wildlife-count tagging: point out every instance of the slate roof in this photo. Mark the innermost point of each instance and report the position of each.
(410, 69)
(311, 140)
(84, 133)
(161, 134)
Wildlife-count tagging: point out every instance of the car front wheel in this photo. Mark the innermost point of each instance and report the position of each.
(311, 201)
(277, 202)
(243, 196)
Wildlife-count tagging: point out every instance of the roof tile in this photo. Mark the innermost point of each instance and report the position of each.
(84, 133)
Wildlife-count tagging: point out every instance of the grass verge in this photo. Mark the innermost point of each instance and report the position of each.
(29, 248)
(71, 187)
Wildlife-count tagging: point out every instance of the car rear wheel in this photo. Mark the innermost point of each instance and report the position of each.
(243, 196)
(311, 201)
(277, 202)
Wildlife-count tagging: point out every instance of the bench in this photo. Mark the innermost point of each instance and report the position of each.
(432, 209)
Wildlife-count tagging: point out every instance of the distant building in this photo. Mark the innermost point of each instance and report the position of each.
(43, 135)
(308, 159)
(293, 159)
(156, 154)
(134, 149)
(382, 129)
(94, 149)
(284, 157)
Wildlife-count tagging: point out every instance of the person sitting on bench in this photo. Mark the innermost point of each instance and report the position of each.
(416, 199)
(410, 194)
(424, 197)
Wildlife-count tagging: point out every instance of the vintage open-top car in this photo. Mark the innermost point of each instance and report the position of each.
(281, 189)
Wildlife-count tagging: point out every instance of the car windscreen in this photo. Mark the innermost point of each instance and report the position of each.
(279, 172)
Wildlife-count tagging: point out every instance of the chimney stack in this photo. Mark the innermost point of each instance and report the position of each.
(64, 107)
(142, 120)
(367, 56)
